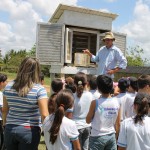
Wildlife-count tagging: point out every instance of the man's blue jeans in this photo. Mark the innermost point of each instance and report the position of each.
(22, 137)
(105, 142)
(84, 135)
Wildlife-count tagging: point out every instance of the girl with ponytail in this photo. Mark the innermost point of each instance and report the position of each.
(135, 131)
(82, 101)
(59, 131)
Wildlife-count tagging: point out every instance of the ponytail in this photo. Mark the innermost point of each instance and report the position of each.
(80, 81)
(142, 102)
(80, 90)
(64, 100)
(59, 114)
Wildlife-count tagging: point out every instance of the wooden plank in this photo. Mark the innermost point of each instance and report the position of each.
(50, 43)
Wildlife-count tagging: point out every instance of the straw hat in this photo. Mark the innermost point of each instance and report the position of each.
(109, 35)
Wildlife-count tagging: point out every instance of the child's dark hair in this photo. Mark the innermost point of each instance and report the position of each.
(92, 82)
(70, 84)
(142, 100)
(64, 101)
(133, 82)
(57, 85)
(41, 76)
(52, 103)
(3, 77)
(143, 80)
(123, 84)
(104, 84)
(80, 81)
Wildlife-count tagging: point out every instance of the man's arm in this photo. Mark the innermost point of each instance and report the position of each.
(113, 71)
(93, 57)
(86, 51)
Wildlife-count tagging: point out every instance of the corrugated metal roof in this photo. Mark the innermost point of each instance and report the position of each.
(60, 9)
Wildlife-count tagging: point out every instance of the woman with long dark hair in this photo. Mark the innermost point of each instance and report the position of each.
(25, 102)
(135, 132)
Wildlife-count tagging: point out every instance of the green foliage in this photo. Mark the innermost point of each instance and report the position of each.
(45, 70)
(32, 52)
(134, 56)
(12, 59)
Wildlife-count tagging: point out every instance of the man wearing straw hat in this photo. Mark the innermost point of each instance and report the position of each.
(109, 58)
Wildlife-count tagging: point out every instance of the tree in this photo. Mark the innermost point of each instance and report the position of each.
(12, 60)
(134, 56)
(32, 52)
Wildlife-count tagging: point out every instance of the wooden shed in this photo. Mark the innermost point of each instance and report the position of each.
(70, 30)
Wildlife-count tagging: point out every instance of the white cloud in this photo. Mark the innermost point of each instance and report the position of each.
(47, 7)
(104, 10)
(20, 30)
(139, 28)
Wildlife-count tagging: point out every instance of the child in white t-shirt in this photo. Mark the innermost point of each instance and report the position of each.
(123, 85)
(92, 85)
(82, 101)
(135, 132)
(132, 91)
(59, 131)
(104, 116)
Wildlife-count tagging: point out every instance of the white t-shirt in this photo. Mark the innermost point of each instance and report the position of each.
(135, 136)
(122, 99)
(105, 116)
(1, 104)
(68, 132)
(96, 94)
(81, 108)
(129, 109)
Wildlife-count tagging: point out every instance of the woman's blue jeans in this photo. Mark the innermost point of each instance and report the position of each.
(17, 137)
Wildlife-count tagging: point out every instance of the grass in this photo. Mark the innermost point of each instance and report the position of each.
(47, 81)
(12, 76)
(42, 144)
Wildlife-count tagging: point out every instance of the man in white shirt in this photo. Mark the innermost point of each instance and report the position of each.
(109, 58)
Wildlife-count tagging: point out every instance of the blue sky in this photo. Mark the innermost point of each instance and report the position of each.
(18, 20)
(121, 7)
